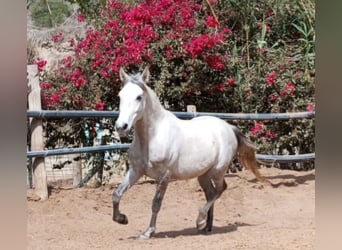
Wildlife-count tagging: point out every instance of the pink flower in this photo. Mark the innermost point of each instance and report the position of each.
(289, 89)
(100, 105)
(58, 37)
(104, 73)
(271, 78)
(273, 97)
(271, 135)
(214, 62)
(226, 31)
(257, 128)
(45, 85)
(268, 28)
(81, 17)
(148, 34)
(211, 22)
(55, 98)
(81, 81)
(76, 73)
(66, 61)
(220, 87)
(41, 64)
(169, 53)
(188, 23)
(270, 13)
(310, 107)
(197, 45)
(63, 89)
(231, 81)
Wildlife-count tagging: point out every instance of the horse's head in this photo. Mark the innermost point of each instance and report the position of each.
(132, 100)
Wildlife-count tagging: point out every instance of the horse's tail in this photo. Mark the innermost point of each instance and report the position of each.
(246, 155)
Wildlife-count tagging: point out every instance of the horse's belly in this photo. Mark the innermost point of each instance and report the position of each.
(185, 167)
(189, 172)
(193, 165)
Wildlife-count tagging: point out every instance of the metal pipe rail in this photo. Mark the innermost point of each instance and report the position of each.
(264, 158)
(65, 151)
(184, 115)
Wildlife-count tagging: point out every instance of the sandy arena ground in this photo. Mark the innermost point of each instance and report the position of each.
(247, 215)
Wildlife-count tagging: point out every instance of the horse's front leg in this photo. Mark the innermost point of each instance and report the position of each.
(129, 180)
(156, 204)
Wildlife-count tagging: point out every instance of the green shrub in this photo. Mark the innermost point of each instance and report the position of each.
(238, 56)
(49, 13)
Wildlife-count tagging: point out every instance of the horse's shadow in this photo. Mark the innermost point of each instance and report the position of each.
(290, 180)
(193, 231)
(287, 180)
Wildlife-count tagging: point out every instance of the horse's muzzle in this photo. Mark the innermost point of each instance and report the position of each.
(121, 128)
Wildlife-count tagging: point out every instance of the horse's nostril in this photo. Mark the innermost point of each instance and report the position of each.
(121, 126)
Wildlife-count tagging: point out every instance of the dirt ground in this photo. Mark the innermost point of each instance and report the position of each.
(247, 215)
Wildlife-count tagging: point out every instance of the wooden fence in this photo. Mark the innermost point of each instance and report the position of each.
(38, 153)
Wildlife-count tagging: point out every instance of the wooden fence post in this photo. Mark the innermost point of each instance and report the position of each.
(191, 108)
(77, 171)
(36, 126)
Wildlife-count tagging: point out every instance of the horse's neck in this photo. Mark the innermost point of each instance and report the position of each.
(147, 126)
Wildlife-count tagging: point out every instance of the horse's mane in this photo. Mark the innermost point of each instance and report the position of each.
(152, 94)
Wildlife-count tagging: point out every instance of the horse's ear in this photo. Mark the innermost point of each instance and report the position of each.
(146, 74)
(123, 75)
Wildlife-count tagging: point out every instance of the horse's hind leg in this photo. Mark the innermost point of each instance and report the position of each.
(206, 213)
(129, 180)
(205, 216)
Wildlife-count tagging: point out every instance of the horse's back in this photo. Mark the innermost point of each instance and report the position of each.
(214, 131)
(213, 127)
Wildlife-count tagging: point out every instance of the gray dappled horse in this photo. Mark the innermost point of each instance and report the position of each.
(166, 148)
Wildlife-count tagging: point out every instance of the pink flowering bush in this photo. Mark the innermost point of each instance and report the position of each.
(231, 60)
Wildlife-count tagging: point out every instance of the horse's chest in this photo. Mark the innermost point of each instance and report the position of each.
(157, 165)
(154, 163)
(156, 157)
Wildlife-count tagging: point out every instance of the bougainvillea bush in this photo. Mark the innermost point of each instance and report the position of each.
(222, 56)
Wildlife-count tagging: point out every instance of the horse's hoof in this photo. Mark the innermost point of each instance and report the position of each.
(147, 234)
(122, 219)
(143, 237)
(201, 225)
(201, 221)
(206, 230)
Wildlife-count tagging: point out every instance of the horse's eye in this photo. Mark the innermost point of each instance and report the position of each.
(139, 97)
